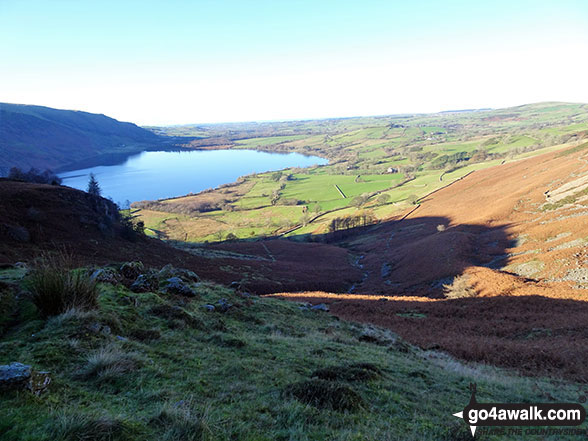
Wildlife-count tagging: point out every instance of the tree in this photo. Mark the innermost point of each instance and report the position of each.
(358, 201)
(231, 236)
(383, 199)
(412, 199)
(93, 186)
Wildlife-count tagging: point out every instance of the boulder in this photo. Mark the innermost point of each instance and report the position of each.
(14, 375)
(144, 283)
(224, 305)
(106, 275)
(22, 376)
(175, 285)
(168, 271)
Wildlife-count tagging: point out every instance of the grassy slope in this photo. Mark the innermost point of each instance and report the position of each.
(221, 376)
(366, 147)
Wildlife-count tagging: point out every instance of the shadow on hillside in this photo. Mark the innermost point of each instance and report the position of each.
(412, 256)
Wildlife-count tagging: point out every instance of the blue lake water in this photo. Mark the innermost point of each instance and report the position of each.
(156, 175)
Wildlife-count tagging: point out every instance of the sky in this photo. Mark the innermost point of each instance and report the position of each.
(182, 62)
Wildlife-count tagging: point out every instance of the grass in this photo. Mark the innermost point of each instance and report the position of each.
(54, 288)
(263, 370)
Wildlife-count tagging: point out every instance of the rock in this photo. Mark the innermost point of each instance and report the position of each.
(188, 275)
(131, 270)
(22, 376)
(320, 307)
(209, 307)
(235, 285)
(106, 275)
(97, 328)
(144, 283)
(224, 305)
(168, 271)
(175, 285)
(14, 375)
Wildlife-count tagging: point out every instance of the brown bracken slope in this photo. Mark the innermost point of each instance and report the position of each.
(36, 218)
(508, 245)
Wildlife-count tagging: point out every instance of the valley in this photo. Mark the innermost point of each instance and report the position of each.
(343, 300)
(378, 167)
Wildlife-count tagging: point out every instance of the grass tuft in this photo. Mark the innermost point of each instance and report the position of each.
(109, 362)
(55, 288)
(326, 395)
(181, 422)
(80, 427)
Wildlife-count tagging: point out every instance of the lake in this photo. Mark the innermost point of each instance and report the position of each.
(157, 175)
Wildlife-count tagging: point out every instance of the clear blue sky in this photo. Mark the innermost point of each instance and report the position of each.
(166, 62)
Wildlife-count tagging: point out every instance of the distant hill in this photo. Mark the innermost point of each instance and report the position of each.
(42, 137)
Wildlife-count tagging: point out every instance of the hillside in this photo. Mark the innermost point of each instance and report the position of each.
(42, 137)
(492, 268)
(36, 218)
(487, 271)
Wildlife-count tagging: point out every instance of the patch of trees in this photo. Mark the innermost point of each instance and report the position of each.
(340, 226)
(444, 161)
(360, 200)
(131, 229)
(34, 175)
(184, 208)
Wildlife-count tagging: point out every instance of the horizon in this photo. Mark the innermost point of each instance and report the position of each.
(223, 62)
(403, 114)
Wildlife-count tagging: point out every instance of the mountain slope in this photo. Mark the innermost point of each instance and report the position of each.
(36, 218)
(42, 137)
(493, 268)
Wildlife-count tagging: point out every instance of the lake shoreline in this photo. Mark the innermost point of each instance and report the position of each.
(162, 174)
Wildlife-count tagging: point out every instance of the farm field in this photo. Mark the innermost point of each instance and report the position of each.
(379, 166)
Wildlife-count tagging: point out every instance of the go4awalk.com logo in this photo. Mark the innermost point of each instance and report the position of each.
(521, 414)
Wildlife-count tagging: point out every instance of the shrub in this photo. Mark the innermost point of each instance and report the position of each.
(130, 229)
(34, 175)
(55, 288)
(412, 199)
(383, 199)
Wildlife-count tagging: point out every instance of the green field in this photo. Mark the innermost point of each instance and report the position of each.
(404, 157)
